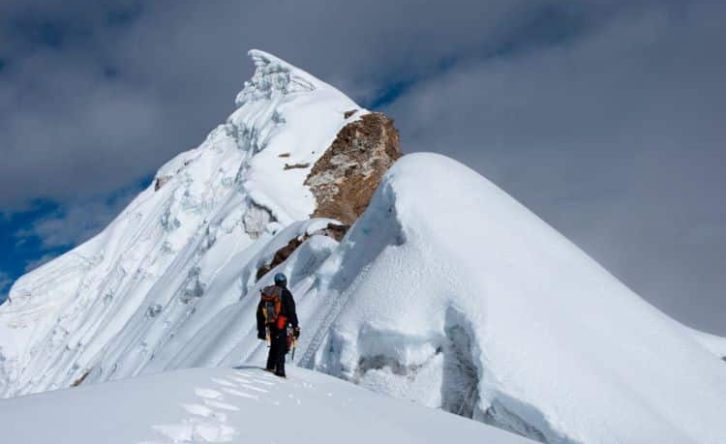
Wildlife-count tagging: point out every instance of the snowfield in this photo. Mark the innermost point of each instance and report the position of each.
(225, 405)
(446, 292)
(450, 283)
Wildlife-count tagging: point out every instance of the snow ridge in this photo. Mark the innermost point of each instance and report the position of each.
(274, 76)
(105, 309)
(216, 405)
(461, 289)
(446, 292)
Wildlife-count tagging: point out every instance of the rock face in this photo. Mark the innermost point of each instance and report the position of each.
(344, 178)
(333, 231)
(161, 181)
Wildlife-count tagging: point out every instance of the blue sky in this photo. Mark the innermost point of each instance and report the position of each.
(47, 229)
(604, 117)
(21, 252)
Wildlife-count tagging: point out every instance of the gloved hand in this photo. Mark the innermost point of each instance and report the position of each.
(261, 335)
(296, 332)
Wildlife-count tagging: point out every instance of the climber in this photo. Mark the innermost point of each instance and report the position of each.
(275, 312)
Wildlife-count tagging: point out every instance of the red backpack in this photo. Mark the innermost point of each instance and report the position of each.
(271, 300)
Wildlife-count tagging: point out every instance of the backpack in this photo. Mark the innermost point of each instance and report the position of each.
(271, 300)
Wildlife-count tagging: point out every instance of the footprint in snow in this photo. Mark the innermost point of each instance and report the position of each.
(220, 405)
(223, 382)
(253, 388)
(192, 430)
(204, 411)
(206, 423)
(207, 393)
(268, 383)
(241, 394)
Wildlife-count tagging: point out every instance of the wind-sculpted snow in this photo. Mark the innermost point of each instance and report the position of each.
(106, 309)
(450, 293)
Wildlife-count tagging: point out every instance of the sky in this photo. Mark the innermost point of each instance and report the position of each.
(605, 117)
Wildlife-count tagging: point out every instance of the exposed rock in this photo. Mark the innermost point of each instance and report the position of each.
(337, 232)
(292, 166)
(348, 114)
(344, 179)
(281, 255)
(160, 182)
(334, 231)
(283, 155)
(80, 380)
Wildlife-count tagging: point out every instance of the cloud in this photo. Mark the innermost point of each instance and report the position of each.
(605, 116)
(68, 128)
(616, 138)
(74, 223)
(94, 96)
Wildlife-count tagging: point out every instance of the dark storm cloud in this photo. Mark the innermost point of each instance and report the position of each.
(603, 116)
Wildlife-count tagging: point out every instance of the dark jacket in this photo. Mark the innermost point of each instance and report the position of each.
(287, 310)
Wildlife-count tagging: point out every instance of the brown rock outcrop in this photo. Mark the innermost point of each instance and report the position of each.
(332, 230)
(344, 179)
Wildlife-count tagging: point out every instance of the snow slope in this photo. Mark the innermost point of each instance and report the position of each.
(715, 344)
(225, 405)
(446, 292)
(220, 202)
(448, 282)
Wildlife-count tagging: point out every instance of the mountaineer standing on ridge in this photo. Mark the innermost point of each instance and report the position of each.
(275, 313)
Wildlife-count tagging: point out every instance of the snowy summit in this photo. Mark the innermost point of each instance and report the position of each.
(415, 277)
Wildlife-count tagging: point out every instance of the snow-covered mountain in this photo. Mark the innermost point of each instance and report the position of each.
(231, 405)
(446, 291)
(194, 240)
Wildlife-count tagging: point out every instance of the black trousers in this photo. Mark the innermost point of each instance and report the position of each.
(278, 350)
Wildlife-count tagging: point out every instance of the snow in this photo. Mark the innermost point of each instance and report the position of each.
(714, 344)
(311, 113)
(446, 292)
(231, 405)
(220, 202)
(448, 282)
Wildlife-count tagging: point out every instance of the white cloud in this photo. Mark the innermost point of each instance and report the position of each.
(75, 222)
(616, 139)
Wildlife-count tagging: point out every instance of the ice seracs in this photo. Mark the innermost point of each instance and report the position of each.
(140, 280)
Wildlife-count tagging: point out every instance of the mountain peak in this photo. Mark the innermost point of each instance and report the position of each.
(231, 203)
(275, 76)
